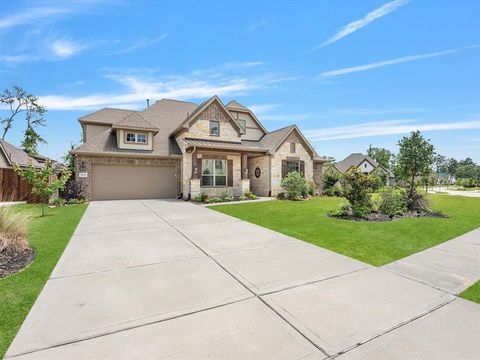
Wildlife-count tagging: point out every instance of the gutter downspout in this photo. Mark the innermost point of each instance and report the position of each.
(189, 193)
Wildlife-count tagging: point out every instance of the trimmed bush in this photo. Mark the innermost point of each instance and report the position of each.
(295, 186)
(200, 197)
(393, 202)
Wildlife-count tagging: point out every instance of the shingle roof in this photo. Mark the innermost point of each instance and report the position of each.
(135, 121)
(15, 155)
(272, 139)
(356, 159)
(165, 115)
(227, 145)
(235, 105)
(106, 116)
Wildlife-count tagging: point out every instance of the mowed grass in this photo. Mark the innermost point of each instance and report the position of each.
(48, 235)
(472, 293)
(376, 243)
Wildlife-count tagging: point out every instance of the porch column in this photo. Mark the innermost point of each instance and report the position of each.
(244, 166)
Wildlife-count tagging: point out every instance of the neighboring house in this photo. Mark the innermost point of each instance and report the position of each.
(445, 179)
(366, 165)
(12, 187)
(179, 149)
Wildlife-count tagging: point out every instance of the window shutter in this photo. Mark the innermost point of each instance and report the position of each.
(199, 168)
(302, 168)
(230, 173)
(284, 168)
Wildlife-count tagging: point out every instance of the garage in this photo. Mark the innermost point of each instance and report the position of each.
(117, 182)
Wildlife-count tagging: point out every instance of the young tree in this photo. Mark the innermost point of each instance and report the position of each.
(415, 158)
(31, 138)
(19, 101)
(440, 163)
(357, 188)
(382, 156)
(43, 180)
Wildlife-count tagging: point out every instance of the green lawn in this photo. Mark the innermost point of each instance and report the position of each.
(49, 235)
(472, 293)
(375, 243)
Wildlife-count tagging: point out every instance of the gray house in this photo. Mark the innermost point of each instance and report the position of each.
(366, 165)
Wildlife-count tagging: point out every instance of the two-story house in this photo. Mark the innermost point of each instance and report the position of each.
(179, 149)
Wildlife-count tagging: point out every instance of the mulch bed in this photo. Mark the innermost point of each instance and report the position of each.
(380, 217)
(13, 263)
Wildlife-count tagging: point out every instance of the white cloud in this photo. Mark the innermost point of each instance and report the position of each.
(262, 108)
(388, 127)
(138, 88)
(31, 15)
(379, 64)
(141, 44)
(371, 16)
(64, 48)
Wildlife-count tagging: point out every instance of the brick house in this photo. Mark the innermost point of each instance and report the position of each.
(179, 149)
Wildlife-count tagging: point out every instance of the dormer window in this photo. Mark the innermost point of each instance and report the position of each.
(214, 128)
(139, 138)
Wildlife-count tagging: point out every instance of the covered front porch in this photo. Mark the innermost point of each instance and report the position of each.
(219, 167)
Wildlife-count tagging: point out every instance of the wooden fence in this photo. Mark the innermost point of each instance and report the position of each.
(13, 188)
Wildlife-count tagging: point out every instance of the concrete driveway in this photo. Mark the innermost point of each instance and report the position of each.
(159, 279)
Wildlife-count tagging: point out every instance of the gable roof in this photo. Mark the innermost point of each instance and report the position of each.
(199, 110)
(273, 140)
(356, 159)
(135, 121)
(164, 114)
(15, 155)
(235, 105)
(105, 116)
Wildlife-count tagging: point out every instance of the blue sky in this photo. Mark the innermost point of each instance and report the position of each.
(349, 73)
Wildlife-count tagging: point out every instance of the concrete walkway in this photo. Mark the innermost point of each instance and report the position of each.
(157, 279)
(450, 266)
(459, 192)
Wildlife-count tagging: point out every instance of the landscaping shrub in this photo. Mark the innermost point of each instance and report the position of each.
(295, 186)
(213, 200)
(281, 196)
(330, 180)
(225, 195)
(357, 188)
(393, 202)
(380, 179)
(250, 195)
(58, 202)
(73, 201)
(200, 197)
(337, 190)
(311, 188)
(13, 230)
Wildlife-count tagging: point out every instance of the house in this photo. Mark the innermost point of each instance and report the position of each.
(444, 179)
(366, 165)
(12, 187)
(180, 149)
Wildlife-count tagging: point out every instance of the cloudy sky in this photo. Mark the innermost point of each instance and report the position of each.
(349, 73)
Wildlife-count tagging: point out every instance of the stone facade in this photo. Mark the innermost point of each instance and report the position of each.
(318, 177)
(259, 185)
(84, 164)
(301, 153)
(200, 127)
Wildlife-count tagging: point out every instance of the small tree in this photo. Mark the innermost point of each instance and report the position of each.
(295, 186)
(43, 180)
(357, 188)
(415, 158)
(382, 156)
(380, 178)
(19, 101)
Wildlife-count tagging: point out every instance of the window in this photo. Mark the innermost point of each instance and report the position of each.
(141, 138)
(365, 165)
(136, 137)
(293, 166)
(214, 172)
(214, 128)
(292, 147)
(243, 124)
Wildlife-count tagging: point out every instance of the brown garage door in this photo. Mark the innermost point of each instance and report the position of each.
(116, 182)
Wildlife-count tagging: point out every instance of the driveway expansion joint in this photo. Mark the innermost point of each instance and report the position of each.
(240, 282)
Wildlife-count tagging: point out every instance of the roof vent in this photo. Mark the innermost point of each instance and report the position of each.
(148, 103)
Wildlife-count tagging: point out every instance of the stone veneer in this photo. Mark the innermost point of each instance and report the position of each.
(261, 185)
(84, 164)
(283, 153)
